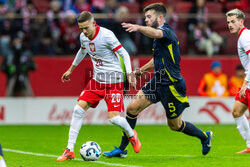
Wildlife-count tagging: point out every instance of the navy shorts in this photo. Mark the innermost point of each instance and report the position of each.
(173, 97)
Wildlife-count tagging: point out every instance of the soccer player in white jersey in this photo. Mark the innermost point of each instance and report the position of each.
(107, 83)
(235, 22)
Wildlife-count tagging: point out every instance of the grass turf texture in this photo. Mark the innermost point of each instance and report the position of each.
(160, 146)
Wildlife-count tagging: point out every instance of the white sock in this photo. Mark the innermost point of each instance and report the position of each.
(2, 162)
(75, 126)
(242, 125)
(247, 135)
(123, 124)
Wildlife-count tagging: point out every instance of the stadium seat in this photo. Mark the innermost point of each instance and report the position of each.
(219, 24)
(182, 37)
(148, 2)
(230, 5)
(214, 7)
(182, 7)
(247, 23)
(231, 42)
(42, 6)
(132, 7)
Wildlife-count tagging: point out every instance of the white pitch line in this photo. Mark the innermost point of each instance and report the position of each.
(55, 156)
(193, 156)
(165, 155)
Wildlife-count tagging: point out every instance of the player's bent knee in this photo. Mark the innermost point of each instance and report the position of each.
(174, 127)
(112, 114)
(78, 111)
(236, 113)
(116, 120)
(133, 110)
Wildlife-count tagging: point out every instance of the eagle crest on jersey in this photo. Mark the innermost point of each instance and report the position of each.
(92, 47)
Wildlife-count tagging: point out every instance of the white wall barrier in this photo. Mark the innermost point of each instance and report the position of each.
(59, 110)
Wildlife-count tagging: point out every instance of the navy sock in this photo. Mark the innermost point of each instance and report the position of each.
(1, 152)
(191, 130)
(124, 142)
(132, 122)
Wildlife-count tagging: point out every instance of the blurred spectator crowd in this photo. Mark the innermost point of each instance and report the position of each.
(48, 27)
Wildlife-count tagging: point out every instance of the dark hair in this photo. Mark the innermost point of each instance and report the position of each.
(159, 8)
(84, 16)
(239, 67)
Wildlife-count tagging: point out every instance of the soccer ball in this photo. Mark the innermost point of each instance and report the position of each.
(90, 151)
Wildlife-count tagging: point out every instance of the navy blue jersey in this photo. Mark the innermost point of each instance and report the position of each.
(167, 58)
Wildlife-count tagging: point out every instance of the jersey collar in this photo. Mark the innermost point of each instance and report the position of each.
(96, 33)
(241, 31)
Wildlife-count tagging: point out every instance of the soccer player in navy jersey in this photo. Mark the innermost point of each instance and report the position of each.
(2, 161)
(167, 85)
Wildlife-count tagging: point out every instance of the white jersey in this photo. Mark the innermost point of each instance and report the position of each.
(104, 50)
(244, 50)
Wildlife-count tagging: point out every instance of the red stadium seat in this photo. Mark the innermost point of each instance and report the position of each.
(182, 37)
(231, 42)
(132, 7)
(219, 24)
(182, 7)
(230, 5)
(42, 6)
(214, 7)
(148, 2)
(247, 23)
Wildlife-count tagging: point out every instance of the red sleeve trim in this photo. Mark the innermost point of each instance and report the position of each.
(83, 47)
(247, 52)
(117, 48)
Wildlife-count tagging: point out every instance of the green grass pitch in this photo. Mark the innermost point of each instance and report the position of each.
(161, 147)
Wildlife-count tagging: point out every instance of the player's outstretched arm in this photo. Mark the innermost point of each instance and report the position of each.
(146, 30)
(65, 76)
(147, 67)
(132, 80)
(79, 57)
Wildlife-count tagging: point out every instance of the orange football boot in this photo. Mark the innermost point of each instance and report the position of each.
(66, 155)
(244, 151)
(134, 140)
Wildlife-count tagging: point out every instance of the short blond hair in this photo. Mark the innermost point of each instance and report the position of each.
(238, 13)
(85, 16)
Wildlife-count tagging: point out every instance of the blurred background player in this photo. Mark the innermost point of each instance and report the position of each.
(2, 161)
(214, 83)
(236, 81)
(235, 22)
(167, 85)
(107, 83)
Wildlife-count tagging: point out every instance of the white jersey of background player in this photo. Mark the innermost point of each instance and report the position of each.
(235, 22)
(103, 48)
